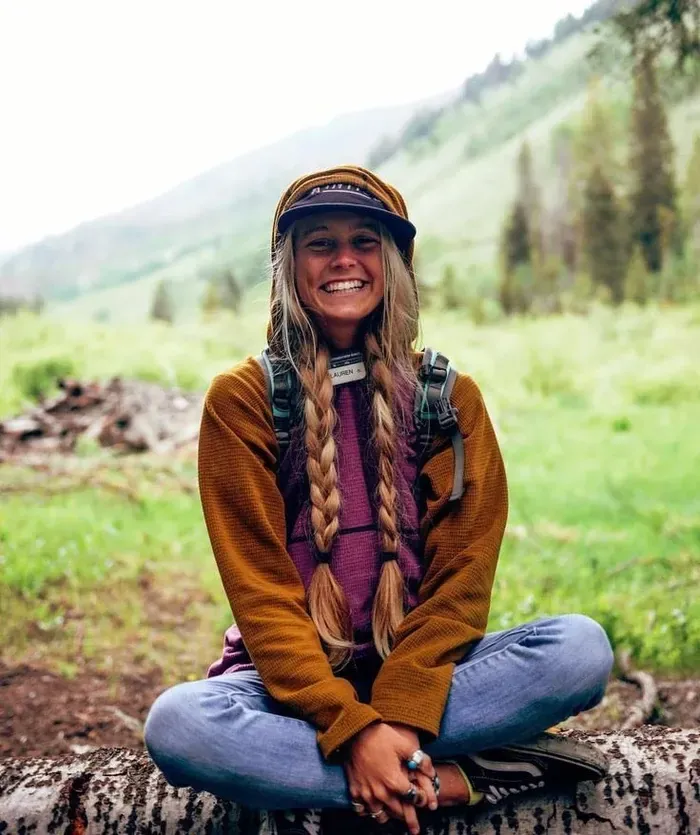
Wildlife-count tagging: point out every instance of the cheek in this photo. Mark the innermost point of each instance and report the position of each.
(303, 281)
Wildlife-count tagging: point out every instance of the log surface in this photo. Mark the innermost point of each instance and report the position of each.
(653, 787)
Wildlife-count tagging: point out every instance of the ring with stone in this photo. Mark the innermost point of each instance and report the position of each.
(414, 761)
(378, 814)
(410, 795)
(436, 784)
(358, 807)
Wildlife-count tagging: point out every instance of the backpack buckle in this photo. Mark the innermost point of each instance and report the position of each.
(446, 414)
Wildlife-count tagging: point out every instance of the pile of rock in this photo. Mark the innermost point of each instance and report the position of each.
(128, 416)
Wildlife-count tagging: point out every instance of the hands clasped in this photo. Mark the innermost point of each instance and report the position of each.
(380, 783)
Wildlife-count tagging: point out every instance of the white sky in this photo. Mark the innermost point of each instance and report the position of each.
(104, 104)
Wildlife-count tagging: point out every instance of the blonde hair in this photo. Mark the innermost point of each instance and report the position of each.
(389, 336)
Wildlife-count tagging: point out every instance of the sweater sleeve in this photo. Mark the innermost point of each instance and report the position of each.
(461, 551)
(245, 518)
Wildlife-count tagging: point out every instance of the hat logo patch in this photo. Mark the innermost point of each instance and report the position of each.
(340, 187)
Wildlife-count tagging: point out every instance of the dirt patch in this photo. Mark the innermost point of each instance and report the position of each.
(43, 714)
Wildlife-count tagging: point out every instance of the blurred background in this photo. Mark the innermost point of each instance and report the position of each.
(549, 154)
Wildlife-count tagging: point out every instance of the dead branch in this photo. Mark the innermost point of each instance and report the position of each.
(642, 709)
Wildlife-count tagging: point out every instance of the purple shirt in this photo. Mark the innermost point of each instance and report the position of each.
(356, 555)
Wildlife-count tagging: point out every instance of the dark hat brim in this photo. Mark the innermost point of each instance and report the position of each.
(401, 230)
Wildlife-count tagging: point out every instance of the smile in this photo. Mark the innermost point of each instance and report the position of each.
(348, 286)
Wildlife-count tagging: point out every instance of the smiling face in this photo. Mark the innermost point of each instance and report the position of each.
(339, 271)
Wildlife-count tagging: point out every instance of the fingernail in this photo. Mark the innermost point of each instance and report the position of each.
(433, 805)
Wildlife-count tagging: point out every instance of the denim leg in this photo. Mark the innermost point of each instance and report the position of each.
(227, 736)
(519, 682)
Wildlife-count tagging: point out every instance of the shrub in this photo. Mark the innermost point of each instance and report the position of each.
(35, 380)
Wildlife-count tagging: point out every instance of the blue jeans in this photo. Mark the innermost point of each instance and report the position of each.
(227, 736)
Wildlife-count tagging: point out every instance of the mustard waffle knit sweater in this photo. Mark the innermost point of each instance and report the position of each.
(245, 517)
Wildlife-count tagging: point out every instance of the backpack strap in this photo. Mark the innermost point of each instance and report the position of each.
(434, 413)
(281, 391)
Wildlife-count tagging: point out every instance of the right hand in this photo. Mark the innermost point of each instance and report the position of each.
(377, 774)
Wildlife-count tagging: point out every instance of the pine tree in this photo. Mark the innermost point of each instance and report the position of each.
(529, 197)
(562, 222)
(211, 301)
(637, 278)
(231, 293)
(162, 307)
(603, 237)
(651, 164)
(452, 299)
(515, 254)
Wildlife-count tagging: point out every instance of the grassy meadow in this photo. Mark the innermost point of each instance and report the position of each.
(598, 422)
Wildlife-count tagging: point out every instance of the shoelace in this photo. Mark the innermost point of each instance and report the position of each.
(497, 793)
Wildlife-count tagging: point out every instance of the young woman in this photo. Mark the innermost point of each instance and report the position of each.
(359, 673)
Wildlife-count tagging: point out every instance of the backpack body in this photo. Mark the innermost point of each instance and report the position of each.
(434, 414)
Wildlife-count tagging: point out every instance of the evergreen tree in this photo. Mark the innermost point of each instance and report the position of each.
(599, 133)
(658, 25)
(529, 197)
(452, 299)
(603, 237)
(563, 225)
(637, 278)
(162, 307)
(211, 301)
(651, 164)
(515, 254)
(230, 290)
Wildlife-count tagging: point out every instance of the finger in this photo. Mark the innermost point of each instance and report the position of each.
(411, 817)
(379, 814)
(427, 790)
(426, 767)
(393, 805)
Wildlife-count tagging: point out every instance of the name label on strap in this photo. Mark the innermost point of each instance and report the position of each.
(347, 368)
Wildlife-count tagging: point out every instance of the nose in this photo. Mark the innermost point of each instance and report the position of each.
(343, 257)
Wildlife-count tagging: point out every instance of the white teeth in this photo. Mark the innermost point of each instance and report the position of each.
(337, 286)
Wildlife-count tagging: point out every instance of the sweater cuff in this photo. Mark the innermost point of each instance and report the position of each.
(350, 722)
(414, 696)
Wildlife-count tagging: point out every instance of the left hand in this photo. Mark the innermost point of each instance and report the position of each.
(422, 781)
(420, 778)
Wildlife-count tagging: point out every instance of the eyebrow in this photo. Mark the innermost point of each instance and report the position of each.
(370, 225)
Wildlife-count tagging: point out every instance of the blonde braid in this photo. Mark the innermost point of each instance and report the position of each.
(328, 604)
(388, 606)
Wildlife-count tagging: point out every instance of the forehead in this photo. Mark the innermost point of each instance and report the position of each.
(337, 222)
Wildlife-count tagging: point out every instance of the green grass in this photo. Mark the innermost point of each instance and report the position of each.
(597, 419)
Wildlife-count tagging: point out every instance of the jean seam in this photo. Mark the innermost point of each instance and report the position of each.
(467, 665)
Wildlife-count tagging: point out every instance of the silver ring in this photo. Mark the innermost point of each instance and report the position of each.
(358, 807)
(414, 761)
(375, 815)
(436, 784)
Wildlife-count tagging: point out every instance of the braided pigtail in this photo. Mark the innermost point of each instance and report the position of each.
(388, 606)
(328, 605)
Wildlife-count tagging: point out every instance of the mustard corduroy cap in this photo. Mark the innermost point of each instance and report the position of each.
(351, 175)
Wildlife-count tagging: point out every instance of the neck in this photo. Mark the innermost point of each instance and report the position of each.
(343, 337)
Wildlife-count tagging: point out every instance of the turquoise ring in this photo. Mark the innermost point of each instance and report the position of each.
(414, 761)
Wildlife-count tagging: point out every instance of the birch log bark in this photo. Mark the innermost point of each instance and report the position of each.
(653, 787)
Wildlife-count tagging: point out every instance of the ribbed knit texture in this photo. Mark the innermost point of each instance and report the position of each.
(356, 555)
(245, 516)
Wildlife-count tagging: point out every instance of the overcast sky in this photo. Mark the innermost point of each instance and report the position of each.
(104, 104)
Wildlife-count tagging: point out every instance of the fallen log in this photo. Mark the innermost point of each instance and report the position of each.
(653, 787)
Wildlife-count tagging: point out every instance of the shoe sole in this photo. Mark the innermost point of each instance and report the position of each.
(580, 757)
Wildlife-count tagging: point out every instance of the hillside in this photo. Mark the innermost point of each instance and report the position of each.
(458, 180)
(211, 215)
